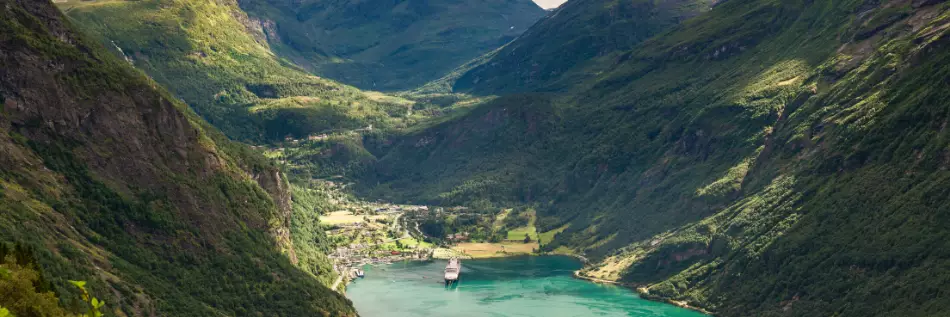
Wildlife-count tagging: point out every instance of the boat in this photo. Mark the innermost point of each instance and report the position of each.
(359, 273)
(452, 270)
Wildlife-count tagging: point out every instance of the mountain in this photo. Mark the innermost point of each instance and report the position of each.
(216, 58)
(561, 49)
(389, 45)
(105, 177)
(765, 158)
(749, 157)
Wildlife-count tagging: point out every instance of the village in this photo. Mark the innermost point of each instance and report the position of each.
(362, 232)
(374, 233)
(382, 233)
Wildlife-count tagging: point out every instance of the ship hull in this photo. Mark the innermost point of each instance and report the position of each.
(453, 270)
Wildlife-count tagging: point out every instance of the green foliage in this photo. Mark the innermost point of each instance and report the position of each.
(769, 158)
(23, 292)
(336, 154)
(561, 50)
(108, 213)
(205, 53)
(95, 305)
(310, 240)
(520, 219)
(445, 164)
(389, 45)
(150, 205)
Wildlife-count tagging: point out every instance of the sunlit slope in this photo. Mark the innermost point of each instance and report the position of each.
(105, 177)
(764, 158)
(217, 59)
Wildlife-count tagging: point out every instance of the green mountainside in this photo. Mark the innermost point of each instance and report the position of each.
(389, 45)
(750, 157)
(105, 177)
(561, 50)
(766, 158)
(217, 59)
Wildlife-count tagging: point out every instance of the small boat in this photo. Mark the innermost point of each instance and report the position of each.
(359, 273)
(452, 270)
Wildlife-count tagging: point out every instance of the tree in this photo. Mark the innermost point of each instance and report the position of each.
(95, 305)
(527, 238)
(24, 293)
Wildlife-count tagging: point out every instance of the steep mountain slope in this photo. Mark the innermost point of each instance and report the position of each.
(556, 52)
(845, 209)
(109, 179)
(767, 158)
(389, 45)
(217, 59)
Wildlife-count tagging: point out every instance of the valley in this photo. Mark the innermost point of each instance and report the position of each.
(525, 286)
(361, 233)
(248, 157)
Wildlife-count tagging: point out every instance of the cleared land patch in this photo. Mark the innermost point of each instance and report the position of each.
(491, 250)
(343, 217)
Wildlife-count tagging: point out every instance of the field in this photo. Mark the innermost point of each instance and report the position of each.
(342, 217)
(490, 250)
(443, 253)
(517, 234)
(406, 243)
(546, 237)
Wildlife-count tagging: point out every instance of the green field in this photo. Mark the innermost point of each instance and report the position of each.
(548, 236)
(519, 233)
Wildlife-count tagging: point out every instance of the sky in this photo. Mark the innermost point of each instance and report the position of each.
(547, 4)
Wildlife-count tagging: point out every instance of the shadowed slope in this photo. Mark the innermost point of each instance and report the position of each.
(112, 181)
(775, 158)
(390, 45)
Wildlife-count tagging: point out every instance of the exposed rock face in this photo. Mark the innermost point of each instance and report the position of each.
(279, 190)
(113, 181)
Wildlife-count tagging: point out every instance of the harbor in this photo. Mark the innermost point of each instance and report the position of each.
(378, 233)
(523, 286)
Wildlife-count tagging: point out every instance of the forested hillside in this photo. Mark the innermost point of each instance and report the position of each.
(389, 45)
(765, 158)
(217, 59)
(750, 157)
(107, 178)
(562, 49)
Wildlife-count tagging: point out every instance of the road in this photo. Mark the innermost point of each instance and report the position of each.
(339, 280)
(394, 226)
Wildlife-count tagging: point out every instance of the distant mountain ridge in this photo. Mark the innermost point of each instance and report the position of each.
(389, 45)
(558, 51)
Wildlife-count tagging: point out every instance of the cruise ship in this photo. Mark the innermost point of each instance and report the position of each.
(452, 270)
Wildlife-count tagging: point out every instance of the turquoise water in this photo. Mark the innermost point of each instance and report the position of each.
(519, 286)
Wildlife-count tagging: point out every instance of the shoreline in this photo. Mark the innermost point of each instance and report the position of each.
(579, 257)
(640, 291)
(643, 293)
